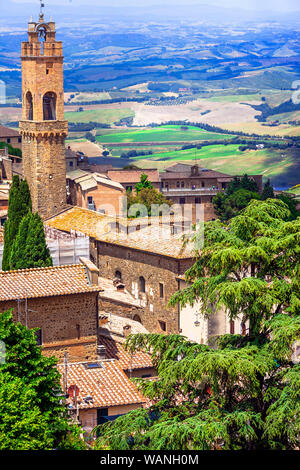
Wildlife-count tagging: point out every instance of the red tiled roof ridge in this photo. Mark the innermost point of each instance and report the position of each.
(43, 268)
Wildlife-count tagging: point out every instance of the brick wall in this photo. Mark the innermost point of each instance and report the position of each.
(58, 318)
(156, 270)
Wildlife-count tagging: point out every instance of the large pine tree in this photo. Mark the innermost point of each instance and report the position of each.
(19, 205)
(243, 393)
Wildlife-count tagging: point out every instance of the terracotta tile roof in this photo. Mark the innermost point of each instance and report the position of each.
(1, 235)
(7, 132)
(45, 282)
(153, 239)
(203, 173)
(133, 176)
(110, 292)
(107, 385)
(115, 350)
(112, 325)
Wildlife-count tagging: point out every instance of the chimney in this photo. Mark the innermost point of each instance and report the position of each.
(101, 352)
(120, 287)
(92, 270)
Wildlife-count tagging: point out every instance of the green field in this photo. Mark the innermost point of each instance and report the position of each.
(105, 116)
(234, 98)
(162, 134)
(229, 159)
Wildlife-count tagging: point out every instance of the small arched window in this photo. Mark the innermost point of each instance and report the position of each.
(137, 318)
(49, 106)
(29, 106)
(118, 275)
(142, 283)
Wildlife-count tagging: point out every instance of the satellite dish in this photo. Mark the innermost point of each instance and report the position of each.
(73, 391)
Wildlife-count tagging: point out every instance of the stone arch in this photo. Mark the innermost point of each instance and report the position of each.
(29, 106)
(49, 106)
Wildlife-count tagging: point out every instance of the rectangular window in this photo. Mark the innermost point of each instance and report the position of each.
(182, 200)
(161, 290)
(90, 199)
(71, 163)
(202, 184)
(8, 141)
(20, 140)
(78, 331)
(39, 337)
(162, 325)
(197, 200)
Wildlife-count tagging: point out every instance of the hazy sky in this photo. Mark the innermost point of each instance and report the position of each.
(258, 5)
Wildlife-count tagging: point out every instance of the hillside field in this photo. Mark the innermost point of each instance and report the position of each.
(163, 134)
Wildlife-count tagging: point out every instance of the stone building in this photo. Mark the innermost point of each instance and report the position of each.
(186, 184)
(147, 259)
(96, 192)
(10, 136)
(130, 178)
(43, 128)
(62, 302)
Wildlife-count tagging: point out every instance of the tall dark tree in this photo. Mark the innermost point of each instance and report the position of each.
(268, 192)
(30, 249)
(144, 183)
(19, 205)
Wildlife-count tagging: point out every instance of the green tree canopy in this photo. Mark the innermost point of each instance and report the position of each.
(228, 206)
(244, 392)
(147, 197)
(32, 416)
(30, 249)
(19, 205)
(144, 183)
(268, 192)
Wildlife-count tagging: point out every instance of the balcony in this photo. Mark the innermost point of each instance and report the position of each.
(191, 191)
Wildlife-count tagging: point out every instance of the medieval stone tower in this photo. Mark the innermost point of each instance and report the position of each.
(43, 127)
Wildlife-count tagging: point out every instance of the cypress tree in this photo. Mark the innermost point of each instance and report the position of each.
(19, 205)
(29, 248)
(268, 192)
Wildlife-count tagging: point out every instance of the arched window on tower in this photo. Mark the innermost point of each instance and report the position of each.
(142, 283)
(29, 106)
(49, 106)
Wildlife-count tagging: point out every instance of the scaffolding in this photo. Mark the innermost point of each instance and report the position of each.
(67, 248)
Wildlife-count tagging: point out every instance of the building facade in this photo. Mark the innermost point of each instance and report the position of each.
(43, 128)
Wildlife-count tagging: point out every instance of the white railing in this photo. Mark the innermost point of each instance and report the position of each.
(185, 190)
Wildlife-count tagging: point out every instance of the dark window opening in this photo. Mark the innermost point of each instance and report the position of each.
(78, 331)
(19, 140)
(49, 107)
(182, 184)
(182, 200)
(142, 283)
(29, 106)
(71, 164)
(197, 200)
(178, 184)
(118, 275)
(203, 184)
(137, 318)
(161, 290)
(8, 141)
(39, 337)
(163, 325)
